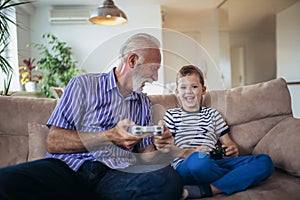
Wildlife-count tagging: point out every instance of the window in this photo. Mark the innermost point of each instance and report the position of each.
(12, 55)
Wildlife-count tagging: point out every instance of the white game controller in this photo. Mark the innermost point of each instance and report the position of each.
(140, 130)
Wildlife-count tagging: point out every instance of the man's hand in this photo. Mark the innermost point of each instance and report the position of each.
(118, 135)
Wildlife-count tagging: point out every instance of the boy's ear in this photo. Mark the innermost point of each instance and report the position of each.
(203, 90)
(177, 97)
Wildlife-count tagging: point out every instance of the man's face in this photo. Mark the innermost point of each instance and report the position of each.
(189, 91)
(146, 69)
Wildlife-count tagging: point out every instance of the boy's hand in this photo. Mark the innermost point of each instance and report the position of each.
(230, 146)
(165, 141)
(231, 151)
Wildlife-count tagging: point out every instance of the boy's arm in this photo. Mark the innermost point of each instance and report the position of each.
(230, 146)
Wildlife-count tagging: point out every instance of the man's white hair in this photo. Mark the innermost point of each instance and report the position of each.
(139, 42)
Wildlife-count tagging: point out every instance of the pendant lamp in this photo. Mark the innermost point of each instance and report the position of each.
(108, 14)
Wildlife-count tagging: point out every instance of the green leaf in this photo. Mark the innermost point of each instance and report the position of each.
(56, 62)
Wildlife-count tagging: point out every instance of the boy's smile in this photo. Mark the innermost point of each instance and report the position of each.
(190, 91)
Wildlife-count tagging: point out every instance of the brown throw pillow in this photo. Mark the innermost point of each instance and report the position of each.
(282, 143)
(37, 136)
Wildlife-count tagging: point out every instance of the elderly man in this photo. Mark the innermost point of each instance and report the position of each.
(91, 153)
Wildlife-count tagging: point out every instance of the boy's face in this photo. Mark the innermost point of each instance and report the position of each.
(189, 91)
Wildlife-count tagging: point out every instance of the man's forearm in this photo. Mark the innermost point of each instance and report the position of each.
(70, 141)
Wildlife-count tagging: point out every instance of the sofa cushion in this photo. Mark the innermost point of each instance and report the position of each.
(37, 137)
(161, 103)
(280, 186)
(253, 102)
(21, 110)
(247, 135)
(282, 143)
(13, 148)
(168, 101)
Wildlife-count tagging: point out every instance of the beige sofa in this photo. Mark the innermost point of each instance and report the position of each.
(259, 116)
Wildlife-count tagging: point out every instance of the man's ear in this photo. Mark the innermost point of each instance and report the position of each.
(132, 60)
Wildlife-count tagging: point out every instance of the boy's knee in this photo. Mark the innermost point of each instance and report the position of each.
(266, 162)
(200, 160)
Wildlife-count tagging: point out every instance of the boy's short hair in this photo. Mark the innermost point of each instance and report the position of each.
(190, 69)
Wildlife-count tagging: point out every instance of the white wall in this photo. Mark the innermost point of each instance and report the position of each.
(95, 46)
(84, 38)
(288, 51)
(196, 44)
(224, 61)
(260, 55)
(23, 34)
(224, 45)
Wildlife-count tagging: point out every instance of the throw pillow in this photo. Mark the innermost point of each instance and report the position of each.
(282, 145)
(37, 137)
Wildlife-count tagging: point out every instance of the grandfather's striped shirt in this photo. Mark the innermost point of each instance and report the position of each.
(92, 103)
(193, 129)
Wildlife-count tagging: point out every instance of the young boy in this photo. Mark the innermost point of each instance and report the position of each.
(198, 129)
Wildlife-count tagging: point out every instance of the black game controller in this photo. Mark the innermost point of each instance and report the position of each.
(140, 130)
(217, 153)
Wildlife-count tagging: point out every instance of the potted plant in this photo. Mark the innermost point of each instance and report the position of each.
(5, 20)
(56, 63)
(28, 76)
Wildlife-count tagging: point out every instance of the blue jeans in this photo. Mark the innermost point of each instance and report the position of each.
(53, 179)
(229, 174)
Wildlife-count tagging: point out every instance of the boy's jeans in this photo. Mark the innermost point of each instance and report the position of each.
(229, 174)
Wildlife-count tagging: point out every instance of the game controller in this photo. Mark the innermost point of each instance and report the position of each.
(217, 153)
(140, 130)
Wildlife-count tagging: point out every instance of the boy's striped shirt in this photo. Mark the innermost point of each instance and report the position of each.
(193, 129)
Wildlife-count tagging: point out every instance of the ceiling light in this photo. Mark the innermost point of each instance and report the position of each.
(108, 14)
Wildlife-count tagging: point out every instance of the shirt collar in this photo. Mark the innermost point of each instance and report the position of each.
(112, 85)
(198, 111)
(111, 80)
